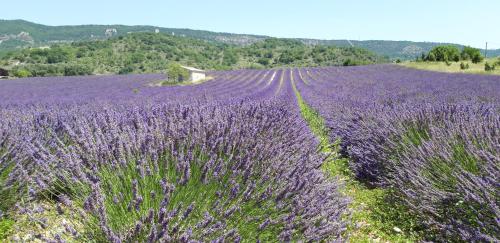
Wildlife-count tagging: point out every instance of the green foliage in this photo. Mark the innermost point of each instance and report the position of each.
(444, 53)
(127, 69)
(5, 228)
(447, 53)
(473, 54)
(489, 67)
(73, 70)
(350, 62)
(431, 57)
(464, 66)
(21, 73)
(176, 73)
(43, 35)
(230, 57)
(57, 55)
(44, 70)
(264, 61)
(150, 52)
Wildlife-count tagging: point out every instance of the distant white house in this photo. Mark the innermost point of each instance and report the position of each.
(195, 74)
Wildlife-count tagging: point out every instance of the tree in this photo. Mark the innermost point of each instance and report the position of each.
(57, 54)
(176, 73)
(286, 57)
(431, 57)
(230, 58)
(473, 54)
(444, 53)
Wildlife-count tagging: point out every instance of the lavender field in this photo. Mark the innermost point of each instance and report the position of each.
(240, 158)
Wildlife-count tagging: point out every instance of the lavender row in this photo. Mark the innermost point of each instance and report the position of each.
(431, 137)
(226, 160)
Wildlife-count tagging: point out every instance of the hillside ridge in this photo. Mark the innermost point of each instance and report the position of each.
(16, 34)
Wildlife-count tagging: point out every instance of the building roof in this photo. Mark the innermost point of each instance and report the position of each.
(193, 69)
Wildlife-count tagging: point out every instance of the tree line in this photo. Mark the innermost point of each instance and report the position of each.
(151, 52)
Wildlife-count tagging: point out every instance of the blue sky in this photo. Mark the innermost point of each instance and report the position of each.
(469, 22)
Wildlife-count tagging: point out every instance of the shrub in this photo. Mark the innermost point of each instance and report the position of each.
(264, 61)
(464, 66)
(349, 62)
(126, 69)
(22, 73)
(489, 67)
(74, 70)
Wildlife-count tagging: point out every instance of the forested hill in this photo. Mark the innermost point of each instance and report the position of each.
(152, 52)
(16, 34)
(404, 50)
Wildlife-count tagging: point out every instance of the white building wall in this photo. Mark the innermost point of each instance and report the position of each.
(195, 76)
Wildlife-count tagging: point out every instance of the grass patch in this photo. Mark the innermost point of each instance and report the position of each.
(5, 228)
(376, 214)
(454, 67)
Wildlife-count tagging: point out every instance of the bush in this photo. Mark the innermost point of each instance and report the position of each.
(264, 61)
(125, 70)
(489, 67)
(22, 73)
(464, 66)
(349, 62)
(74, 70)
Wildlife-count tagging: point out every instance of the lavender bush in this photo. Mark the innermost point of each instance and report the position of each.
(232, 159)
(228, 160)
(430, 137)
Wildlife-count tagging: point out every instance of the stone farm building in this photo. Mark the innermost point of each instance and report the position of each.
(195, 74)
